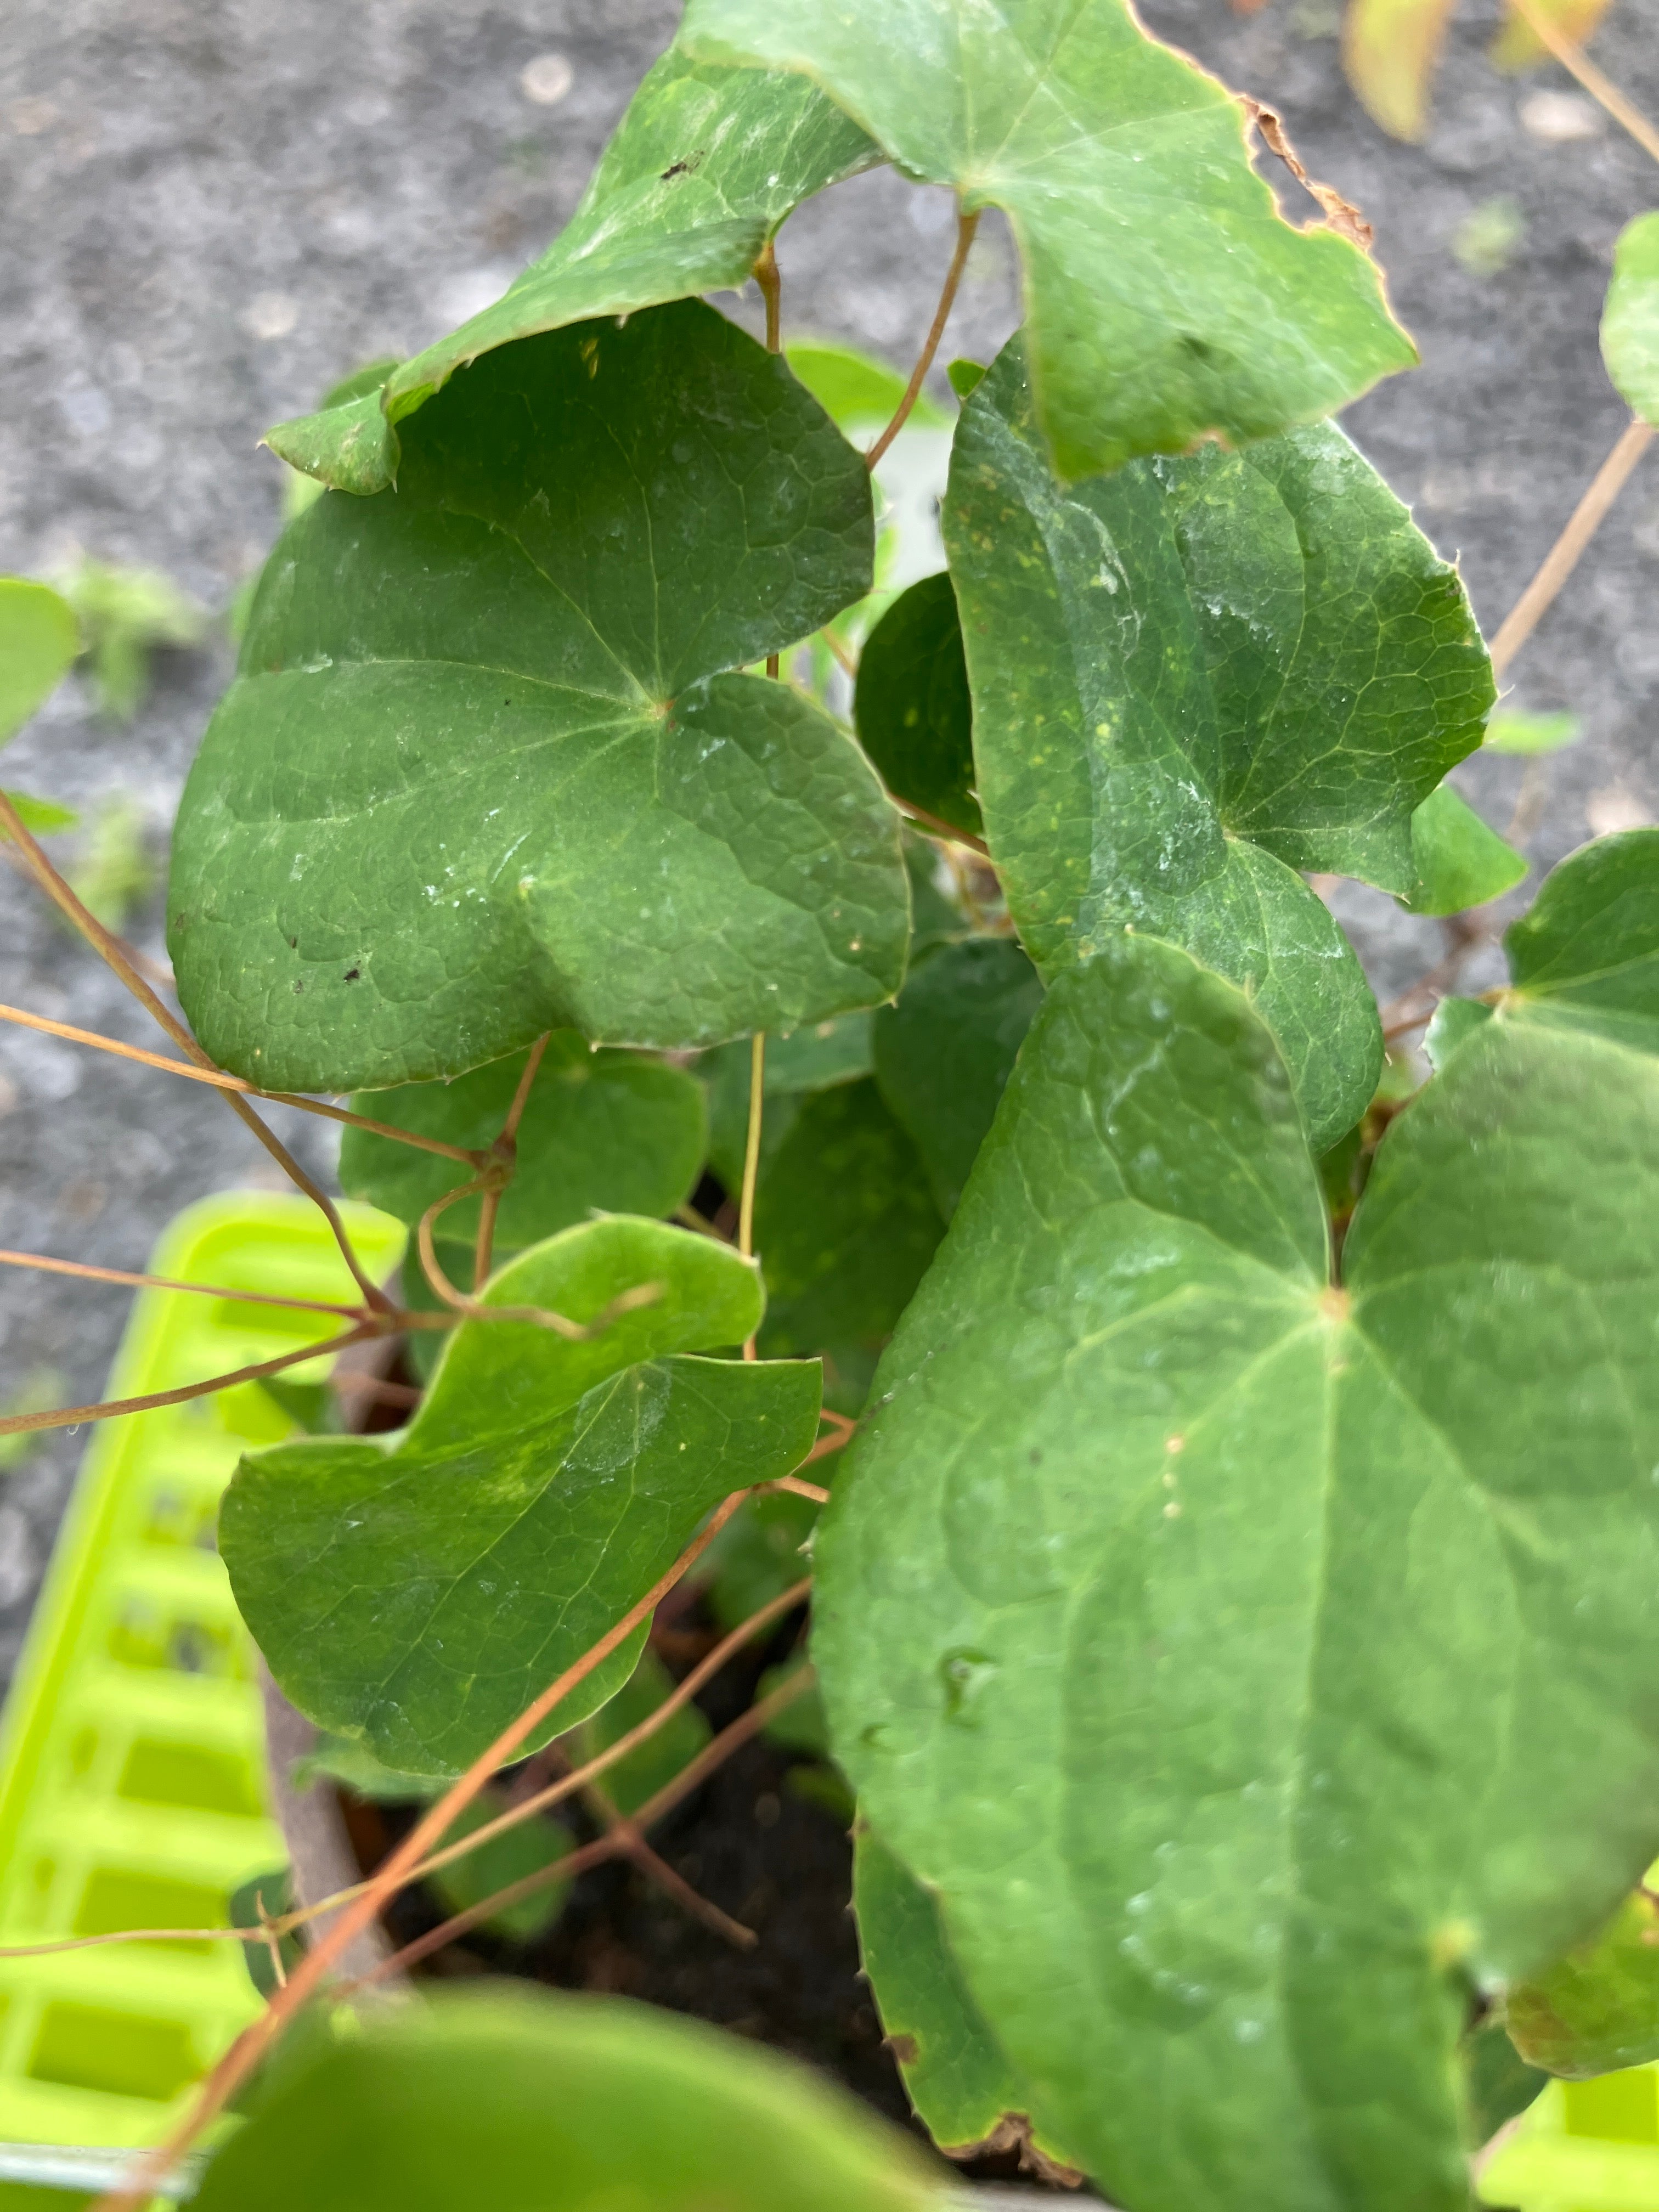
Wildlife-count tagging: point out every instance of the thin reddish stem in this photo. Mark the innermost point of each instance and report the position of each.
(217, 1078)
(110, 949)
(245, 2054)
(1562, 558)
(70, 1416)
(966, 225)
(83, 1272)
(1577, 64)
(728, 1741)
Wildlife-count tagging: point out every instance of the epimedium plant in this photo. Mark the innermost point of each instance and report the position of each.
(1232, 1605)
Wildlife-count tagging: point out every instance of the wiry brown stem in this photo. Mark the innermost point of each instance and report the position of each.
(1577, 64)
(70, 1416)
(966, 225)
(109, 947)
(245, 2054)
(85, 1273)
(504, 1156)
(1562, 558)
(217, 1078)
(728, 1741)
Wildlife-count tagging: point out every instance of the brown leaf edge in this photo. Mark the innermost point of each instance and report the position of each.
(1340, 215)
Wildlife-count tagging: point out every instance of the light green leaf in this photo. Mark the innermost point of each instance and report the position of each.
(1511, 731)
(527, 1848)
(1453, 1020)
(481, 774)
(1630, 322)
(1597, 2009)
(956, 2074)
(445, 2106)
(601, 1133)
(845, 1226)
(1460, 862)
(964, 376)
(41, 816)
(123, 615)
(854, 389)
(654, 1764)
(418, 1590)
(943, 1051)
(703, 168)
(1176, 1608)
(38, 640)
(1390, 50)
(911, 704)
(1166, 296)
(1190, 681)
(1585, 954)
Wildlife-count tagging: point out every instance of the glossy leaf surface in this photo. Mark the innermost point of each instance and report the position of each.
(601, 1133)
(1597, 2009)
(419, 1590)
(39, 639)
(1174, 1608)
(1192, 680)
(1460, 861)
(481, 772)
(1630, 324)
(911, 704)
(1165, 295)
(444, 2106)
(703, 168)
(944, 1052)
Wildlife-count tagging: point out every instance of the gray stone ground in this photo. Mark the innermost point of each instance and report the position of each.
(213, 208)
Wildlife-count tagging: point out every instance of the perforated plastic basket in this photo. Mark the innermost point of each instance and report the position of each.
(132, 1772)
(1583, 2147)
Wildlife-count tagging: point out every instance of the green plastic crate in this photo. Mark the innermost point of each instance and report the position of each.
(132, 1769)
(1582, 2146)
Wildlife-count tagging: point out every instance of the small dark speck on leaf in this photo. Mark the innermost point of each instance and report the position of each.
(904, 2049)
(299, 984)
(293, 945)
(352, 974)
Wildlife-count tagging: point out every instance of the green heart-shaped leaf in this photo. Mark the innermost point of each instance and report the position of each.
(845, 1227)
(1630, 322)
(419, 1590)
(1585, 954)
(481, 772)
(1165, 295)
(1193, 680)
(914, 718)
(1176, 1608)
(499, 2099)
(39, 639)
(1460, 861)
(944, 1052)
(601, 1133)
(703, 168)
